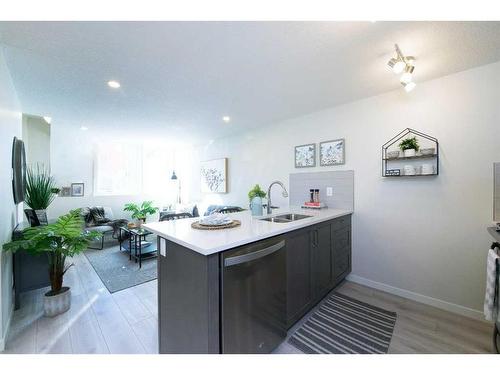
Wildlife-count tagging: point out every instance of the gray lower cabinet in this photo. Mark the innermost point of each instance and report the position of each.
(318, 259)
(341, 250)
(322, 260)
(299, 281)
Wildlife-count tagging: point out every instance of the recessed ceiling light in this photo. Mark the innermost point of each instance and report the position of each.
(47, 119)
(226, 119)
(83, 128)
(114, 84)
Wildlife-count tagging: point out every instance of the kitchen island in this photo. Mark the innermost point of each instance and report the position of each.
(238, 290)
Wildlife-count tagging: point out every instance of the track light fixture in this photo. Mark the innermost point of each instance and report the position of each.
(404, 65)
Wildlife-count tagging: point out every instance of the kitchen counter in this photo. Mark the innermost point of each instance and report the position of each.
(207, 242)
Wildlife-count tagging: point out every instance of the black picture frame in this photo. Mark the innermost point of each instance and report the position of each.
(18, 170)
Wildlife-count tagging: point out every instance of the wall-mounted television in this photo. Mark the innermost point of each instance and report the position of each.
(18, 170)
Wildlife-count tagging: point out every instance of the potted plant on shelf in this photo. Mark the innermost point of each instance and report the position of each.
(255, 196)
(409, 146)
(40, 192)
(141, 212)
(63, 238)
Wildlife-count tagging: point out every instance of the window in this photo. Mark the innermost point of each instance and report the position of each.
(126, 168)
(118, 169)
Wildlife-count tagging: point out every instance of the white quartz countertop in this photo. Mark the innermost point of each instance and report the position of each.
(207, 242)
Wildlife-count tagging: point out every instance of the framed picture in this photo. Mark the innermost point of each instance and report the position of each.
(65, 191)
(305, 156)
(77, 189)
(332, 152)
(214, 176)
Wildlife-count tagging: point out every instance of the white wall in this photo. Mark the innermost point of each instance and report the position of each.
(36, 137)
(10, 126)
(424, 235)
(72, 160)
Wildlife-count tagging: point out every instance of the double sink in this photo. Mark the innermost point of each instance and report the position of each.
(285, 218)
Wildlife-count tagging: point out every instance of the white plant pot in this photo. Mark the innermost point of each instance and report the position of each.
(409, 153)
(54, 305)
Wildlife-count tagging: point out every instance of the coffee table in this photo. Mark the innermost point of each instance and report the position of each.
(138, 247)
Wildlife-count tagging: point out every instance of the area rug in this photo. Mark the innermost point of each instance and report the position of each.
(117, 272)
(344, 325)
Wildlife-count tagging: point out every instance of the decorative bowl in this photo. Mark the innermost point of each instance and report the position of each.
(392, 154)
(427, 151)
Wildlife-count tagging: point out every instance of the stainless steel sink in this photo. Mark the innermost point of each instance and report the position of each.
(292, 217)
(285, 218)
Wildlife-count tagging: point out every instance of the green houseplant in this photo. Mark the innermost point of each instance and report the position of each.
(255, 196)
(140, 212)
(40, 191)
(59, 240)
(409, 146)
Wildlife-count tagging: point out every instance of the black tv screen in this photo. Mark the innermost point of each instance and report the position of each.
(18, 170)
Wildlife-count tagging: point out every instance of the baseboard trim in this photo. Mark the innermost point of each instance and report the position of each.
(3, 339)
(440, 304)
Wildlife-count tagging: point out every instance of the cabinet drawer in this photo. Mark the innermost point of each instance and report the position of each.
(341, 222)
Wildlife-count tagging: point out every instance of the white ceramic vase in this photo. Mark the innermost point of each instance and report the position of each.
(409, 152)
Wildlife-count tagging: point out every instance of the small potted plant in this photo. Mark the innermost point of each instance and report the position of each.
(64, 238)
(409, 146)
(141, 212)
(40, 192)
(255, 196)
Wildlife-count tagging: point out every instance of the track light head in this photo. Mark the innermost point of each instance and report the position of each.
(396, 65)
(403, 64)
(408, 86)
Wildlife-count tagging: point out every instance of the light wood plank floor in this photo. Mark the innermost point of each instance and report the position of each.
(98, 321)
(420, 329)
(127, 321)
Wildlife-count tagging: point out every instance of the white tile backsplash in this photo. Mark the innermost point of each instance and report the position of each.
(341, 182)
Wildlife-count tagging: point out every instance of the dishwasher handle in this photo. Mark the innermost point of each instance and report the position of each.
(232, 261)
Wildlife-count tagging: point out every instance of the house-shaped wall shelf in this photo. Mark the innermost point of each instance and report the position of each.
(423, 164)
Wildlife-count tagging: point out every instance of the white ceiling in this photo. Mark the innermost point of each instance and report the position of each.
(180, 78)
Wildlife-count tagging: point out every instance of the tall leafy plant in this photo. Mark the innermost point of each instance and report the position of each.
(140, 212)
(40, 188)
(64, 238)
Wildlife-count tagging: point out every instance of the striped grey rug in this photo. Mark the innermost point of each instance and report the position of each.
(344, 325)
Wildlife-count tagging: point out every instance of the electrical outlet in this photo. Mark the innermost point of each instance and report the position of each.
(329, 191)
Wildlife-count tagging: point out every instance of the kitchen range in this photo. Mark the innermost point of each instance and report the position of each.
(239, 290)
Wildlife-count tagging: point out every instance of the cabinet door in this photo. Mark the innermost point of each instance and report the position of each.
(299, 291)
(341, 253)
(321, 253)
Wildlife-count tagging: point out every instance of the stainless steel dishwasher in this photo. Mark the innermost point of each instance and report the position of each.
(253, 288)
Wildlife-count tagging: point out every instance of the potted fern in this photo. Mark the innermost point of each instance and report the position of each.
(409, 146)
(40, 192)
(59, 240)
(141, 212)
(255, 196)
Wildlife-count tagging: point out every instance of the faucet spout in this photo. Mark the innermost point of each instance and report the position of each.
(284, 193)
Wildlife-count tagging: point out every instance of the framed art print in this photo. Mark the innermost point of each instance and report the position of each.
(214, 176)
(305, 156)
(77, 189)
(332, 152)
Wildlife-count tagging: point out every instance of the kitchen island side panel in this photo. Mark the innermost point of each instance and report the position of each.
(188, 301)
